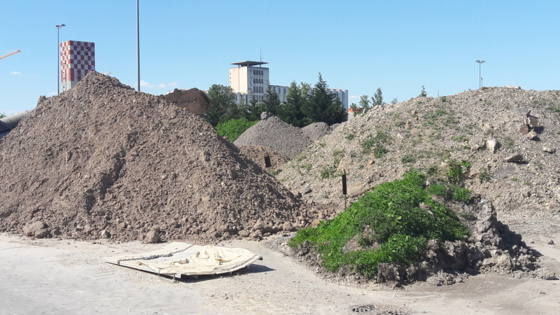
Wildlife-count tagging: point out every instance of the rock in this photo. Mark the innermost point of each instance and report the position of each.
(516, 158)
(532, 121)
(551, 242)
(515, 87)
(153, 236)
(532, 135)
(524, 129)
(545, 274)
(36, 229)
(356, 190)
(549, 150)
(265, 115)
(491, 144)
(104, 234)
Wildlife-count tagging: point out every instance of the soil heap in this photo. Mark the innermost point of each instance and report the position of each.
(274, 133)
(194, 100)
(102, 160)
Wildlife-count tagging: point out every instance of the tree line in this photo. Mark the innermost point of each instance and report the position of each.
(304, 105)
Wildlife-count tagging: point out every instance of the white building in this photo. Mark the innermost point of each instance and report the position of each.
(250, 80)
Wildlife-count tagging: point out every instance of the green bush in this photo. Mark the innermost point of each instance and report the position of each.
(389, 215)
(233, 128)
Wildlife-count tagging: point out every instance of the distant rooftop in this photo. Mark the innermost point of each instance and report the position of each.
(249, 63)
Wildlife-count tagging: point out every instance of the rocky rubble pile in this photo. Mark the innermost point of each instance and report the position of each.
(509, 136)
(274, 133)
(102, 160)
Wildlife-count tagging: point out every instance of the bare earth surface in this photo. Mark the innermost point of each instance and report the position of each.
(50, 276)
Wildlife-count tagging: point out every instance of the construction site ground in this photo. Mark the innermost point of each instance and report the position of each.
(71, 277)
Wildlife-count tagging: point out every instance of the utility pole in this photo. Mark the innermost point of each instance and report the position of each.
(58, 53)
(138, 39)
(480, 62)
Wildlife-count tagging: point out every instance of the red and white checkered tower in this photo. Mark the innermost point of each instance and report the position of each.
(76, 60)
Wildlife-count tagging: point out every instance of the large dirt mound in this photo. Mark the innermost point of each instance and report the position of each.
(272, 132)
(102, 160)
(194, 100)
(510, 137)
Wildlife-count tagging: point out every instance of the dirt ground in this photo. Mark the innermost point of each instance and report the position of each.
(52, 276)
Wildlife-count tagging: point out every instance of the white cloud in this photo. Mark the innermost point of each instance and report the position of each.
(160, 85)
(107, 73)
(354, 96)
(15, 73)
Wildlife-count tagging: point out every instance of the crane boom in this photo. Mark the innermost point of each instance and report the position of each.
(12, 53)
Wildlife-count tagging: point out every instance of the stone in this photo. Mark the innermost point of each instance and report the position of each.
(36, 229)
(491, 144)
(153, 236)
(515, 158)
(515, 87)
(532, 121)
(532, 135)
(549, 150)
(524, 129)
(104, 234)
(265, 115)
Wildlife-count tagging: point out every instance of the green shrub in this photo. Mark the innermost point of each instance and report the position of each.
(233, 128)
(408, 158)
(328, 172)
(461, 194)
(455, 171)
(375, 143)
(484, 177)
(389, 215)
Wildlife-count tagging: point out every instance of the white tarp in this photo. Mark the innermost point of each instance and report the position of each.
(178, 258)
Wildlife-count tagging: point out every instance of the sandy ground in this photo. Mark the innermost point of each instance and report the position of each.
(70, 277)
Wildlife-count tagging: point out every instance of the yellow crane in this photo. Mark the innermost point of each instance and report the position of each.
(12, 53)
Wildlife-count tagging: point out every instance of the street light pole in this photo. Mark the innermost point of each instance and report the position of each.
(480, 62)
(58, 55)
(138, 39)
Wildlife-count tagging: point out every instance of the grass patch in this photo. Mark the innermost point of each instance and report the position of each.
(389, 216)
(375, 144)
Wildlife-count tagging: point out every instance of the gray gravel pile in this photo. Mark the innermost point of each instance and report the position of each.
(316, 130)
(274, 133)
(511, 138)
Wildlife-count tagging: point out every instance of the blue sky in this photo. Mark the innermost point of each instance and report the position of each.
(356, 45)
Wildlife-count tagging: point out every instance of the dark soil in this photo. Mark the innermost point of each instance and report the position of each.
(194, 100)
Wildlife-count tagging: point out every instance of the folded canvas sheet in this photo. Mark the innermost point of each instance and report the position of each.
(176, 259)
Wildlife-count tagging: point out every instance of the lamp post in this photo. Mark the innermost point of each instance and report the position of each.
(58, 53)
(480, 62)
(138, 39)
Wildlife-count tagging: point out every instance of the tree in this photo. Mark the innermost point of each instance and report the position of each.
(423, 93)
(364, 103)
(222, 103)
(292, 111)
(271, 101)
(323, 105)
(2, 115)
(377, 98)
